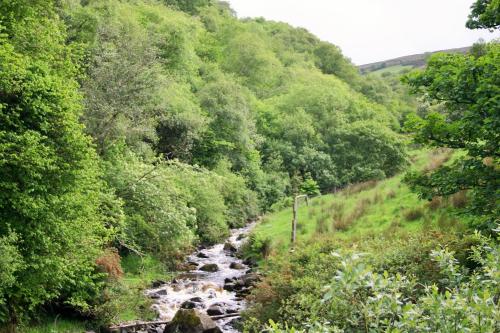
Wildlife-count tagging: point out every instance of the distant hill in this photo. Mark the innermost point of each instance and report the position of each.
(415, 60)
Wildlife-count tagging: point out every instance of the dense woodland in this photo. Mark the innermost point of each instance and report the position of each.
(145, 128)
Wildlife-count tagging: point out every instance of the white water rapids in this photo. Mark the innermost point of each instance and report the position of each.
(205, 288)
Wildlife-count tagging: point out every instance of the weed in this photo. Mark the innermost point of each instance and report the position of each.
(459, 199)
(391, 194)
(321, 226)
(435, 203)
(312, 213)
(359, 187)
(340, 225)
(414, 214)
(377, 198)
(110, 262)
(437, 159)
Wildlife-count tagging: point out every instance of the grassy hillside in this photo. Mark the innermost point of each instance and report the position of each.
(392, 70)
(414, 60)
(367, 209)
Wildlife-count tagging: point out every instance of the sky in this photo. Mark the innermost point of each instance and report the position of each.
(374, 30)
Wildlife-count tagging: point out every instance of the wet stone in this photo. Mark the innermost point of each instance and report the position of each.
(191, 321)
(196, 300)
(215, 310)
(202, 255)
(157, 283)
(230, 247)
(188, 305)
(209, 268)
(236, 265)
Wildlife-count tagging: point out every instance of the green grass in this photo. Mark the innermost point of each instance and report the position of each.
(387, 206)
(139, 273)
(56, 325)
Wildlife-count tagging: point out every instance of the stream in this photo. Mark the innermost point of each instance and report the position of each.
(217, 293)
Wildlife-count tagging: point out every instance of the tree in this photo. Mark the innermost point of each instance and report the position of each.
(189, 6)
(467, 87)
(49, 187)
(231, 130)
(485, 14)
(330, 60)
(122, 87)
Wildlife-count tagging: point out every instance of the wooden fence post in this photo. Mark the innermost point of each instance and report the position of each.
(295, 212)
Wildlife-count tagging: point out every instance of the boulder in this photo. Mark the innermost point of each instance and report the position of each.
(250, 262)
(209, 268)
(157, 283)
(229, 286)
(236, 265)
(158, 294)
(196, 300)
(250, 279)
(191, 321)
(230, 247)
(202, 255)
(215, 310)
(188, 305)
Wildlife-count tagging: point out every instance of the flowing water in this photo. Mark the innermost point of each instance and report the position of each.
(205, 288)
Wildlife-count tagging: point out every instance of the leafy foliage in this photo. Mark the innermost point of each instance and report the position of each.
(50, 190)
(360, 297)
(484, 14)
(467, 87)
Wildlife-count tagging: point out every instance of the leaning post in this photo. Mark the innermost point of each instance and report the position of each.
(295, 213)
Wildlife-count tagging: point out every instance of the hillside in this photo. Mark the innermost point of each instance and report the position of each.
(410, 61)
(369, 209)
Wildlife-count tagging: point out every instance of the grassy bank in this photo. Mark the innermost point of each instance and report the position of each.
(369, 209)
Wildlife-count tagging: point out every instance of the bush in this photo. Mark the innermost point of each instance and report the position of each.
(391, 194)
(309, 187)
(459, 199)
(359, 187)
(109, 262)
(256, 247)
(413, 214)
(435, 203)
(361, 298)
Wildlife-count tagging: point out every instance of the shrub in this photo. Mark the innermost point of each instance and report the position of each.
(459, 199)
(310, 187)
(361, 298)
(321, 225)
(391, 194)
(435, 203)
(413, 214)
(256, 247)
(359, 187)
(109, 262)
(438, 157)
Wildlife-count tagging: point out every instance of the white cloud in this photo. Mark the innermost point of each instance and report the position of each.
(373, 30)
